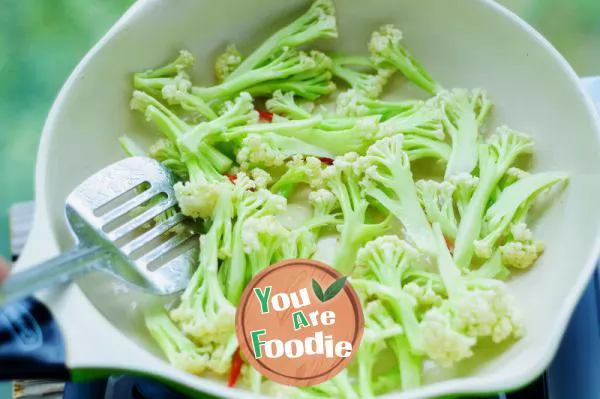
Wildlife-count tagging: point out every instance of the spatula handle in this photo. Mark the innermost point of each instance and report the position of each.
(53, 272)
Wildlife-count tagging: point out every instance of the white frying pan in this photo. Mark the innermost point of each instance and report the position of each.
(464, 43)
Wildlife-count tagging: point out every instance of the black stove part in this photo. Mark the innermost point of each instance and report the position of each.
(87, 390)
(536, 390)
(150, 389)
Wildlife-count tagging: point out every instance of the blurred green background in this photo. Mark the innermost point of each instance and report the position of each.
(41, 41)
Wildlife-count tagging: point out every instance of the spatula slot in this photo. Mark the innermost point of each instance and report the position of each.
(136, 211)
(159, 237)
(121, 199)
(188, 245)
(149, 229)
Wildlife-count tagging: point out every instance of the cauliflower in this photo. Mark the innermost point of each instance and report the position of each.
(261, 177)
(464, 187)
(521, 250)
(235, 113)
(262, 237)
(255, 151)
(204, 313)
(425, 296)
(248, 204)
(299, 170)
(179, 349)
(152, 81)
(386, 260)
(324, 203)
(302, 242)
(418, 147)
(184, 61)
(379, 327)
(493, 267)
(463, 115)
(476, 307)
(495, 157)
(443, 343)
(388, 181)
(266, 150)
(284, 104)
(352, 103)
(169, 155)
(177, 92)
(173, 128)
(437, 200)
(343, 181)
(331, 136)
(305, 74)
(317, 22)
(197, 200)
(421, 118)
(226, 63)
(370, 85)
(386, 50)
(310, 85)
(511, 207)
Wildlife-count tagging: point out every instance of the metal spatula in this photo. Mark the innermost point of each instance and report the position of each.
(126, 222)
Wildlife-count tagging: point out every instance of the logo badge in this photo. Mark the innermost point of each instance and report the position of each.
(299, 322)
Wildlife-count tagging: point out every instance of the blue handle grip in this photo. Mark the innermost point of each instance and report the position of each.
(31, 345)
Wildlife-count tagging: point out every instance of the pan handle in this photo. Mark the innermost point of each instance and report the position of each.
(31, 344)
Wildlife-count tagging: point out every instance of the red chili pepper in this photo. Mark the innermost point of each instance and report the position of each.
(265, 116)
(449, 244)
(232, 178)
(236, 368)
(326, 161)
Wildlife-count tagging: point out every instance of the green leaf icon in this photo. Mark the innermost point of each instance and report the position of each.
(318, 290)
(331, 292)
(335, 288)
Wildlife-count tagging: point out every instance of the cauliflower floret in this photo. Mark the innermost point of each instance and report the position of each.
(369, 84)
(379, 323)
(197, 200)
(512, 175)
(422, 118)
(443, 343)
(178, 349)
(227, 62)
(323, 201)
(349, 103)
(172, 91)
(509, 211)
(476, 306)
(386, 49)
(387, 36)
(261, 177)
(185, 352)
(301, 243)
(168, 154)
(465, 185)
(489, 312)
(284, 105)
(255, 151)
(437, 200)
(299, 170)
(259, 233)
(425, 296)
(523, 250)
